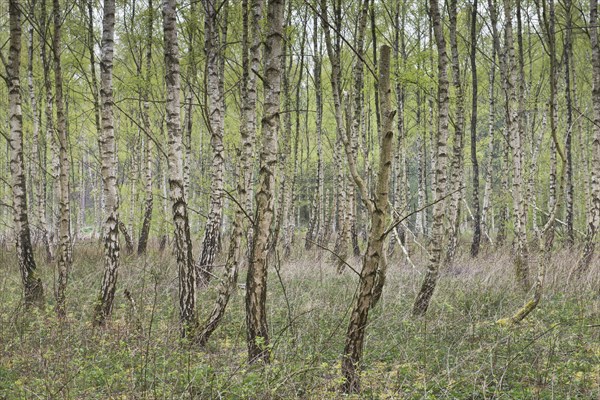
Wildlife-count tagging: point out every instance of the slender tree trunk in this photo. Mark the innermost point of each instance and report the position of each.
(549, 29)
(128, 239)
(341, 244)
(333, 52)
(188, 122)
(547, 233)
(232, 265)
(234, 255)
(64, 251)
(288, 154)
(594, 212)
(32, 285)
(350, 141)
(402, 188)
(36, 146)
(433, 128)
(134, 175)
(374, 255)
(49, 114)
(148, 165)
(514, 125)
(420, 217)
(249, 106)
(536, 143)
(568, 61)
(82, 193)
(183, 243)
(456, 167)
(317, 227)
(291, 195)
(426, 292)
(216, 126)
(421, 140)
(108, 159)
(256, 284)
(504, 213)
(164, 235)
(487, 209)
(371, 13)
(474, 162)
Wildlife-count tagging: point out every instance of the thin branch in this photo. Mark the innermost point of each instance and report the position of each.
(398, 222)
(239, 206)
(366, 64)
(3, 204)
(336, 255)
(158, 146)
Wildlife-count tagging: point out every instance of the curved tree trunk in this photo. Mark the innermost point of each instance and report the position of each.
(437, 231)
(374, 256)
(234, 255)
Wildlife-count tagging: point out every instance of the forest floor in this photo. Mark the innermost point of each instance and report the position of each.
(456, 352)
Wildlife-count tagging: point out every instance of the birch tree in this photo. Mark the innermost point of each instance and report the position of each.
(256, 281)
(32, 284)
(456, 167)
(252, 16)
(594, 211)
(183, 243)
(513, 124)
(108, 159)
(474, 84)
(374, 254)
(216, 121)
(441, 137)
(64, 229)
(569, 67)
(317, 225)
(148, 165)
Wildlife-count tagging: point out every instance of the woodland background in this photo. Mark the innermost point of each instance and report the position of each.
(281, 199)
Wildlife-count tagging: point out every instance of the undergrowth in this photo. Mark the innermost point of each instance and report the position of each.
(455, 352)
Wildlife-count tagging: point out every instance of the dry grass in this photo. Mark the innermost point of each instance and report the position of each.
(455, 352)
